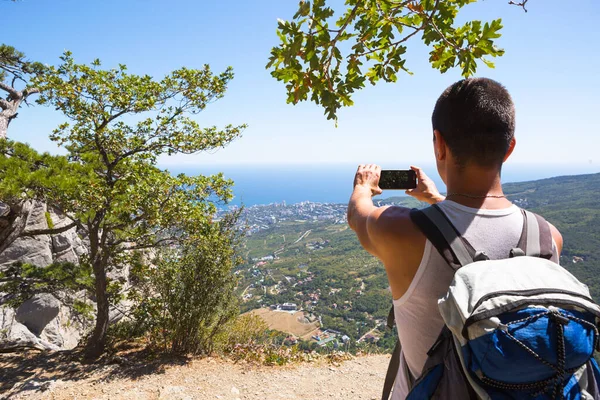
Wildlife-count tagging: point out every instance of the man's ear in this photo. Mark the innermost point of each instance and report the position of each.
(511, 147)
(439, 146)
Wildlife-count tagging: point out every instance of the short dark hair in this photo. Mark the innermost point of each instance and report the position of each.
(476, 118)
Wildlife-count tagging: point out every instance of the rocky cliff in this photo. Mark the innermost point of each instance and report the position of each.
(42, 321)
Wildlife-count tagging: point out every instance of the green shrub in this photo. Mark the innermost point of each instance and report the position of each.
(186, 301)
(246, 329)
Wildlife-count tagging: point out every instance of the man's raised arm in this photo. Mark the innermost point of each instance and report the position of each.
(362, 213)
(366, 185)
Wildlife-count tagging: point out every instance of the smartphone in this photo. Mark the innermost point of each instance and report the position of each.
(398, 179)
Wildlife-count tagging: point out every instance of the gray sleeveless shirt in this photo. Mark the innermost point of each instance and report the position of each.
(417, 317)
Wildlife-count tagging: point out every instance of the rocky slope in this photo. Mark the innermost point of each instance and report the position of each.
(42, 321)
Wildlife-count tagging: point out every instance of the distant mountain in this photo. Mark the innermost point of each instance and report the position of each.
(572, 204)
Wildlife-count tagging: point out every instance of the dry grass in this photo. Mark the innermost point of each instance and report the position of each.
(286, 322)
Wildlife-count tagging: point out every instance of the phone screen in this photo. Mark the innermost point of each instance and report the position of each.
(398, 179)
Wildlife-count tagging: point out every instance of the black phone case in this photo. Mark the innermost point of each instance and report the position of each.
(398, 179)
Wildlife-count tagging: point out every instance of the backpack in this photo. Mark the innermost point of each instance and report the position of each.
(517, 328)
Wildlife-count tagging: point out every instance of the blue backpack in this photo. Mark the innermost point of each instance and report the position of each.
(518, 328)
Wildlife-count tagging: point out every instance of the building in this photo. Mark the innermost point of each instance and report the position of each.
(289, 307)
(323, 342)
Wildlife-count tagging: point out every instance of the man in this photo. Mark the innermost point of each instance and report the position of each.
(473, 135)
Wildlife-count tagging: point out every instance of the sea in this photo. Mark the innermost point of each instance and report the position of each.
(268, 184)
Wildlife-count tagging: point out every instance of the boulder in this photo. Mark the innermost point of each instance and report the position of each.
(64, 331)
(52, 334)
(43, 250)
(37, 312)
(14, 335)
(33, 250)
(62, 241)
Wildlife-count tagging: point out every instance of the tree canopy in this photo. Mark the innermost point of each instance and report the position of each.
(108, 184)
(325, 56)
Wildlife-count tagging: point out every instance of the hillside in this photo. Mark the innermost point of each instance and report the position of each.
(305, 254)
(572, 204)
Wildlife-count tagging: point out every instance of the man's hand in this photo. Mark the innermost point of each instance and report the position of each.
(367, 177)
(425, 190)
(366, 185)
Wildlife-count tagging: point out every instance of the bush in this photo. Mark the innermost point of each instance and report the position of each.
(244, 330)
(186, 300)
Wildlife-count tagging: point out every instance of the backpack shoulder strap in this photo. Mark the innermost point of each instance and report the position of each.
(436, 227)
(394, 365)
(536, 237)
(392, 371)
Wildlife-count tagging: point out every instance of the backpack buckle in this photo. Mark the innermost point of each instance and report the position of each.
(481, 256)
(516, 252)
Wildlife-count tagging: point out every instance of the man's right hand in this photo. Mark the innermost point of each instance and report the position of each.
(426, 190)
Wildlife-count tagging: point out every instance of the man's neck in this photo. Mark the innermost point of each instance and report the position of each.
(476, 187)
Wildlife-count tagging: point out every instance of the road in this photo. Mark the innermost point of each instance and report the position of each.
(363, 336)
(305, 234)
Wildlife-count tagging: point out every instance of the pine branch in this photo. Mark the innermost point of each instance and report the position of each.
(52, 231)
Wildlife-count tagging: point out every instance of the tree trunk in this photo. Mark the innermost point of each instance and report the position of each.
(96, 343)
(3, 126)
(8, 112)
(10, 108)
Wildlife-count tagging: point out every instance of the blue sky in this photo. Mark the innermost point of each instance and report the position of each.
(550, 67)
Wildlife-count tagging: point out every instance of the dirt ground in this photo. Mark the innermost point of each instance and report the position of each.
(287, 322)
(52, 377)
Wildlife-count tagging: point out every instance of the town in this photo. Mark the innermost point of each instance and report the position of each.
(303, 259)
(263, 217)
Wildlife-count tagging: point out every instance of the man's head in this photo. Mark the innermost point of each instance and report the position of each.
(475, 118)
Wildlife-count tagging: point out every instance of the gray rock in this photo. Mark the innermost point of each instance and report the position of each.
(68, 255)
(37, 312)
(37, 216)
(52, 334)
(33, 250)
(16, 335)
(42, 250)
(7, 318)
(4, 209)
(81, 250)
(66, 246)
(120, 312)
(61, 242)
(63, 331)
